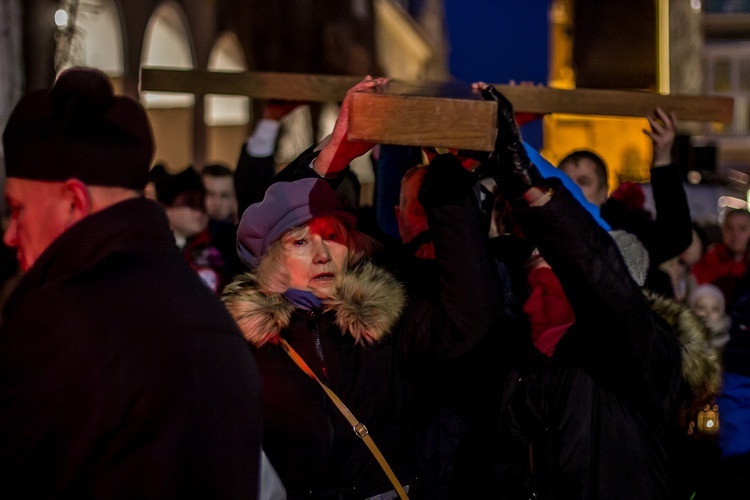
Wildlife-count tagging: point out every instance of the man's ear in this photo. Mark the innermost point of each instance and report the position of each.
(79, 198)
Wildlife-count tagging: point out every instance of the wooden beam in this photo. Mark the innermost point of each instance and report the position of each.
(433, 114)
(258, 85)
(446, 115)
(702, 108)
(450, 115)
(323, 88)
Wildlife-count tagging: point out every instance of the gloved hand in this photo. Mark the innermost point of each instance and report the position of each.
(509, 163)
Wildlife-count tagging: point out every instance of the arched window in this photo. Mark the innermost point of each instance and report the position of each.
(226, 116)
(166, 44)
(227, 56)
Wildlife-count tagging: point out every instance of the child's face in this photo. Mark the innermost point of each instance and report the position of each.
(708, 308)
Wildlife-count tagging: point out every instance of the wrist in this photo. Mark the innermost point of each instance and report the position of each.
(321, 165)
(538, 196)
(662, 159)
(327, 166)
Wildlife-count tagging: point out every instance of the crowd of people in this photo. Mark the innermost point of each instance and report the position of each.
(520, 332)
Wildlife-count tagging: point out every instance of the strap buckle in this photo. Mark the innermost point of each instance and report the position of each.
(360, 430)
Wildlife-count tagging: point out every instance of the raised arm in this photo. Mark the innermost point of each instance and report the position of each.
(336, 150)
(663, 132)
(330, 158)
(256, 165)
(672, 230)
(619, 338)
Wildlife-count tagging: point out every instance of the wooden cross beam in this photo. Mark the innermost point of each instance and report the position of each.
(432, 114)
(255, 84)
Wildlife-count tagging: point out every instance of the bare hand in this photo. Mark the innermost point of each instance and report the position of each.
(662, 133)
(339, 151)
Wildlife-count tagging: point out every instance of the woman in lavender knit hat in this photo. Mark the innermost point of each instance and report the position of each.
(310, 286)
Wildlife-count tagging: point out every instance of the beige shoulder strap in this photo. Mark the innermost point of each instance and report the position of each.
(359, 428)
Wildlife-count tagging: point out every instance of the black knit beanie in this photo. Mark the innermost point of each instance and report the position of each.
(79, 129)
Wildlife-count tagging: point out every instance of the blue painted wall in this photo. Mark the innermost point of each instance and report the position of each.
(498, 41)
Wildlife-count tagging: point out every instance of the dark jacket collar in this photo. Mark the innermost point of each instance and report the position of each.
(135, 226)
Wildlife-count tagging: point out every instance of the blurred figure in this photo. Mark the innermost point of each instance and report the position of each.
(725, 262)
(221, 208)
(678, 269)
(708, 303)
(734, 404)
(255, 164)
(121, 375)
(668, 234)
(183, 195)
(221, 202)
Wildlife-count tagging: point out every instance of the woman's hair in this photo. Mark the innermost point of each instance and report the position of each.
(273, 277)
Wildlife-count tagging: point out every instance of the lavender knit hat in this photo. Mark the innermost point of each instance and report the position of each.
(286, 205)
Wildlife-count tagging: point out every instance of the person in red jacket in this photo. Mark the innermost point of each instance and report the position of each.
(725, 263)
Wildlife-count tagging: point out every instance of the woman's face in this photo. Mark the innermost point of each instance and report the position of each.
(315, 256)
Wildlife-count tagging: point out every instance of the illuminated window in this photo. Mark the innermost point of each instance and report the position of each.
(226, 55)
(728, 73)
(166, 45)
(722, 75)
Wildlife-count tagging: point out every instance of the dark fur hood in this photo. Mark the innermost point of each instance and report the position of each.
(701, 367)
(367, 305)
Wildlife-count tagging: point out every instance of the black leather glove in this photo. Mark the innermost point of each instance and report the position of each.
(509, 164)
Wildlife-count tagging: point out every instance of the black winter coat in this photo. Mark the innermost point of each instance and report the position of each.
(308, 441)
(121, 374)
(611, 390)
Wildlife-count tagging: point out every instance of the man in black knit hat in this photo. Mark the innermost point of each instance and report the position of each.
(121, 374)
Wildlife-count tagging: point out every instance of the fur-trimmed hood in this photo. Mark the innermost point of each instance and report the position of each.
(368, 304)
(701, 367)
